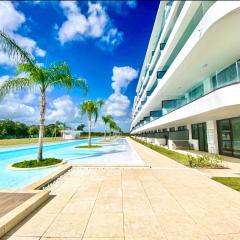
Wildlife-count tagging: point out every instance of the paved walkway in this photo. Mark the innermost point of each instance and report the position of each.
(165, 202)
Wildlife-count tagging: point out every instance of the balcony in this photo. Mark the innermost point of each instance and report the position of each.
(222, 78)
(203, 8)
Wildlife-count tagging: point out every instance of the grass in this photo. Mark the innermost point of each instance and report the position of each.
(232, 182)
(34, 163)
(86, 146)
(14, 142)
(178, 157)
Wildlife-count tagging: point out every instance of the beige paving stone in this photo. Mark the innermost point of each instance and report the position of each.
(108, 205)
(67, 225)
(225, 237)
(54, 205)
(103, 238)
(47, 238)
(187, 235)
(33, 226)
(20, 238)
(142, 226)
(80, 206)
(176, 223)
(105, 225)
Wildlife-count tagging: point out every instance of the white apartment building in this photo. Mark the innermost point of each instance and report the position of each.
(189, 86)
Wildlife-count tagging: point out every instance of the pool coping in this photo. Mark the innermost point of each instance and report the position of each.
(15, 216)
(49, 178)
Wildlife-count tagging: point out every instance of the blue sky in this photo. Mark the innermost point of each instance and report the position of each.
(102, 41)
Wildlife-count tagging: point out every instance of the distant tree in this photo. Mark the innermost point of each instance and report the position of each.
(33, 130)
(7, 128)
(91, 109)
(81, 127)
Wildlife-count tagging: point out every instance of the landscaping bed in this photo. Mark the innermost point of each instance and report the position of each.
(86, 146)
(201, 161)
(46, 162)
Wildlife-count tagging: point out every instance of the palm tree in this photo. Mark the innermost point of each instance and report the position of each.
(91, 108)
(112, 125)
(13, 50)
(58, 75)
(106, 119)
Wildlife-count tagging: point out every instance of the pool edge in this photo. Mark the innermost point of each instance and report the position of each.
(48, 179)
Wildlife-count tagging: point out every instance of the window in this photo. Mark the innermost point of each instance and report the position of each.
(182, 128)
(194, 131)
(172, 129)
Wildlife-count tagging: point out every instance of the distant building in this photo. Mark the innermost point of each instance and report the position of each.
(189, 87)
(71, 134)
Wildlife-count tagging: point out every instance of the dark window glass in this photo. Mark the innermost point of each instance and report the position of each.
(194, 131)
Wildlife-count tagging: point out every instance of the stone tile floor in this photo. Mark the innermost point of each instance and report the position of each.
(167, 201)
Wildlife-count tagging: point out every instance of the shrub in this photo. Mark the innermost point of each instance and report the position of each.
(205, 161)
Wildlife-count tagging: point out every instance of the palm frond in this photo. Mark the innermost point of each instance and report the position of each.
(13, 50)
(15, 84)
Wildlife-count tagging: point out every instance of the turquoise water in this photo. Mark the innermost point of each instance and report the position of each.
(117, 153)
(20, 178)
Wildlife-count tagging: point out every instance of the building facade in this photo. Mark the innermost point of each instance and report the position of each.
(189, 86)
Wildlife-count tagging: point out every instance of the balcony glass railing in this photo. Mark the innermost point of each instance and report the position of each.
(222, 78)
(202, 9)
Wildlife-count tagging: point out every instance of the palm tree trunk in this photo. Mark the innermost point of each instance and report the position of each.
(105, 133)
(89, 133)
(41, 126)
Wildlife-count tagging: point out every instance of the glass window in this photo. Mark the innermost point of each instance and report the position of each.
(172, 129)
(194, 131)
(235, 122)
(182, 128)
(225, 138)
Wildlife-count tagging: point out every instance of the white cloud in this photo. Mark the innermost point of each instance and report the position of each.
(62, 109)
(117, 103)
(122, 76)
(95, 24)
(17, 107)
(24, 107)
(40, 52)
(11, 21)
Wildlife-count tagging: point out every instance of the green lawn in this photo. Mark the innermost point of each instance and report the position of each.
(178, 157)
(232, 182)
(13, 142)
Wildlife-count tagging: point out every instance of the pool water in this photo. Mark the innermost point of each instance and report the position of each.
(118, 152)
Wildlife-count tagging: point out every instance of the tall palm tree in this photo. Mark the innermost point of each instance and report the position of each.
(112, 125)
(106, 120)
(91, 108)
(56, 75)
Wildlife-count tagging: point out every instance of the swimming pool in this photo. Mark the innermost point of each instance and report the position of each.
(118, 152)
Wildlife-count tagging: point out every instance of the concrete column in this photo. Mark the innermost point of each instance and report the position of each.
(212, 137)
